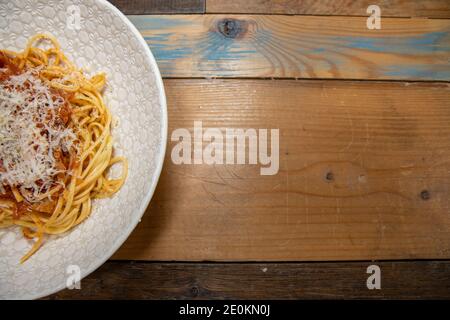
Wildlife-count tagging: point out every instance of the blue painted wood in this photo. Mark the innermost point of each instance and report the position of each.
(297, 47)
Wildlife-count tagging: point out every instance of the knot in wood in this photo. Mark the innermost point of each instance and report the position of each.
(230, 28)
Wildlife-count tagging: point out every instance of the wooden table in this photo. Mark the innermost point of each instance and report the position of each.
(364, 120)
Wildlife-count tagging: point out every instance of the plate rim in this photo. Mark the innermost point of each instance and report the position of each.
(160, 159)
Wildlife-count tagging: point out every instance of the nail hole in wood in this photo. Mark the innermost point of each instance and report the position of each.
(425, 195)
(194, 291)
(329, 176)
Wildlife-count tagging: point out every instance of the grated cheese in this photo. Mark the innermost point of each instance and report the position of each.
(30, 134)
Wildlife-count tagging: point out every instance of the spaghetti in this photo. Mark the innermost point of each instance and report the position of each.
(55, 142)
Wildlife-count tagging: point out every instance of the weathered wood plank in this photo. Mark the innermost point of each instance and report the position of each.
(364, 174)
(342, 280)
(297, 47)
(389, 8)
(159, 6)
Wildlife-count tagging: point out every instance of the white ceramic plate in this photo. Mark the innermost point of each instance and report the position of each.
(106, 41)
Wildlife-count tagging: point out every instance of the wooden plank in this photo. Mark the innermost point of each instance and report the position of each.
(389, 8)
(364, 174)
(341, 280)
(297, 47)
(159, 6)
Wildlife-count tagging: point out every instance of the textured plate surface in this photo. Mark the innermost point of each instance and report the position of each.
(105, 41)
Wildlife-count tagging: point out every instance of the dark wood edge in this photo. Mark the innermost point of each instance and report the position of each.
(159, 6)
(308, 280)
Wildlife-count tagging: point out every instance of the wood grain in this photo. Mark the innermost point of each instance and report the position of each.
(297, 47)
(340, 280)
(389, 8)
(159, 6)
(364, 174)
